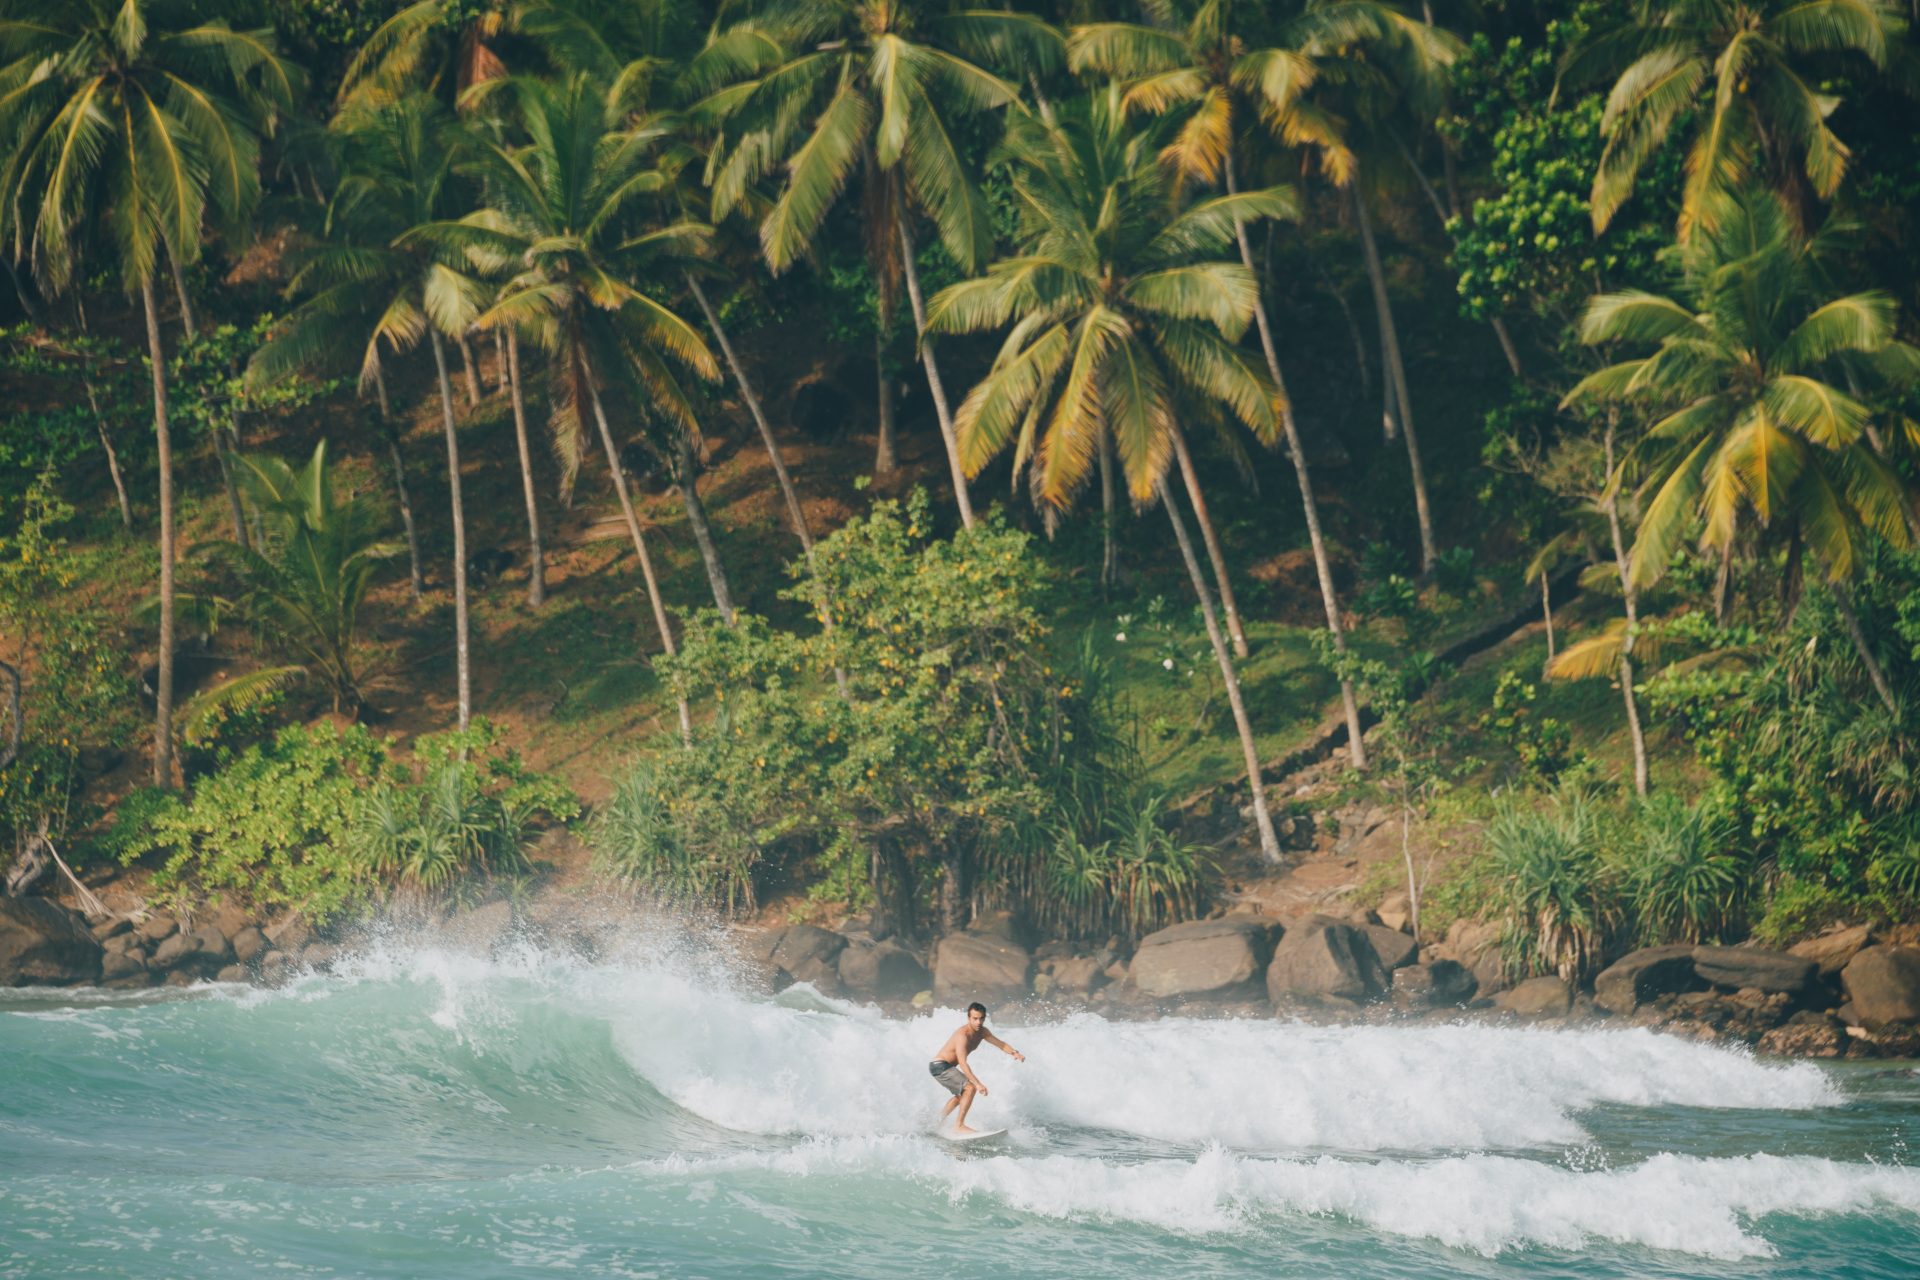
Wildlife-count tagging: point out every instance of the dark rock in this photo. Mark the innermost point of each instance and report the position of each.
(126, 943)
(131, 981)
(1006, 926)
(42, 942)
(229, 918)
(883, 971)
(1437, 984)
(1204, 958)
(1547, 997)
(319, 955)
(157, 927)
(232, 973)
(290, 933)
(204, 949)
(248, 944)
(1807, 1034)
(1079, 975)
(1883, 985)
(113, 927)
(1832, 950)
(1637, 978)
(180, 978)
(1756, 968)
(977, 966)
(118, 964)
(806, 953)
(1395, 949)
(1321, 959)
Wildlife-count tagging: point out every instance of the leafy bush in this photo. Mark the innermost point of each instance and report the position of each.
(1679, 874)
(664, 831)
(1543, 745)
(1453, 573)
(1553, 886)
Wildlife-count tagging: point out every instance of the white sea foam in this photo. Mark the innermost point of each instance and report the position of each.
(1485, 1203)
(805, 1065)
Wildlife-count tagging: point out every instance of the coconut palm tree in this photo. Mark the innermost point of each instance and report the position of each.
(1749, 377)
(1743, 78)
(144, 116)
(1123, 321)
(565, 211)
(834, 89)
(398, 162)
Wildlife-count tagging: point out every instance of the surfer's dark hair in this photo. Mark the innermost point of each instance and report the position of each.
(977, 1005)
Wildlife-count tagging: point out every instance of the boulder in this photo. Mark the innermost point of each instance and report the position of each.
(1547, 997)
(1319, 958)
(248, 944)
(1807, 1034)
(1078, 975)
(1639, 977)
(111, 927)
(1476, 944)
(318, 955)
(1395, 949)
(1832, 950)
(1437, 984)
(127, 943)
(203, 949)
(976, 966)
(229, 918)
(232, 973)
(157, 927)
(1757, 969)
(290, 933)
(1883, 985)
(1203, 958)
(1006, 926)
(882, 971)
(119, 964)
(42, 942)
(806, 953)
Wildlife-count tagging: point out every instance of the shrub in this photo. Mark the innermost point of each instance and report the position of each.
(1542, 745)
(1552, 885)
(665, 837)
(1679, 873)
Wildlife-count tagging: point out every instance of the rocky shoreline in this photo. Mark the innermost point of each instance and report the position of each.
(1851, 992)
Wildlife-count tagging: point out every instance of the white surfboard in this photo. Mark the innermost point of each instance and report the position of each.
(951, 1136)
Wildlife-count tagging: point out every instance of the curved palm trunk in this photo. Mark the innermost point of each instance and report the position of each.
(536, 560)
(884, 455)
(113, 457)
(1875, 672)
(945, 414)
(186, 303)
(1322, 566)
(1269, 843)
(163, 681)
(473, 376)
(416, 580)
(1215, 555)
(1631, 598)
(462, 654)
(1546, 611)
(1396, 375)
(687, 476)
(639, 540)
(1109, 552)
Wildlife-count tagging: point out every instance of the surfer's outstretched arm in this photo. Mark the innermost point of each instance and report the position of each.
(1003, 1046)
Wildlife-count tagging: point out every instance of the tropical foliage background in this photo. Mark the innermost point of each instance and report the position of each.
(927, 458)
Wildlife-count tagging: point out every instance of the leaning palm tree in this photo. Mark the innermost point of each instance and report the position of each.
(565, 211)
(1750, 374)
(841, 88)
(1744, 78)
(398, 161)
(145, 115)
(1123, 320)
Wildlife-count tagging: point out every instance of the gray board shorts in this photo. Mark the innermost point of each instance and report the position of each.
(949, 1075)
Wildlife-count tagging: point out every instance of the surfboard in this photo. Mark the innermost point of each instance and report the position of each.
(971, 1137)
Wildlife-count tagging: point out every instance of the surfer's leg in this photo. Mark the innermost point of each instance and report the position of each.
(966, 1101)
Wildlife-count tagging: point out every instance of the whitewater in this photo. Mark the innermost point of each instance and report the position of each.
(426, 1112)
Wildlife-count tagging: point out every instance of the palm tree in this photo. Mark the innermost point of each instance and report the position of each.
(839, 87)
(1207, 72)
(1122, 322)
(1747, 374)
(563, 210)
(147, 116)
(1737, 75)
(398, 162)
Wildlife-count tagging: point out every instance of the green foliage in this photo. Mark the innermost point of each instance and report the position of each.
(271, 826)
(1542, 745)
(78, 382)
(1680, 874)
(1553, 887)
(685, 842)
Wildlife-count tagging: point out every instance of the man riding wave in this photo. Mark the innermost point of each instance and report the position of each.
(952, 1070)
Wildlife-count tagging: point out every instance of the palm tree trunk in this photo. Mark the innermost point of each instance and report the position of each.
(1109, 552)
(1296, 452)
(639, 540)
(19, 291)
(940, 408)
(163, 681)
(536, 560)
(1875, 672)
(687, 475)
(503, 375)
(884, 456)
(1546, 610)
(416, 580)
(462, 654)
(186, 303)
(1396, 375)
(1631, 599)
(113, 457)
(1269, 843)
(473, 377)
(1211, 540)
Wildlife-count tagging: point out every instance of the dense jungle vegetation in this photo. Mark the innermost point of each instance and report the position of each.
(927, 457)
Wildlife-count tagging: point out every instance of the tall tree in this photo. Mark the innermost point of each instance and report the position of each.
(1744, 78)
(1756, 424)
(835, 89)
(144, 116)
(1123, 322)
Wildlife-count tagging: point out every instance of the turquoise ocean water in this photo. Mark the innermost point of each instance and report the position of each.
(427, 1113)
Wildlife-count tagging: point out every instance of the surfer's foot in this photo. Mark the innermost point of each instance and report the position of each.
(963, 1130)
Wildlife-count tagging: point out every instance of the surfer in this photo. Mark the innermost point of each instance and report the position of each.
(950, 1068)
